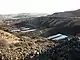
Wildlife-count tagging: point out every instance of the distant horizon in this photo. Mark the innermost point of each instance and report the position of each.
(37, 6)
(23, 13)
(38, 12)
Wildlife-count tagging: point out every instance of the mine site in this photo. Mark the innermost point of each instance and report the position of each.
(39, 29)
(31, 37)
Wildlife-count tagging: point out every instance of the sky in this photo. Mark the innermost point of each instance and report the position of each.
(37, 6)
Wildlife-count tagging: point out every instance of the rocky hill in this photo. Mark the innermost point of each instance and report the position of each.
(34, 46)
(62, 22)
(74, 13)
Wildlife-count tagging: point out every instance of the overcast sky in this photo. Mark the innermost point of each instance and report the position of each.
(37, 6)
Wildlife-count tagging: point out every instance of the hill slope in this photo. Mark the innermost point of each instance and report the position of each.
(8, 38)
(62, 22)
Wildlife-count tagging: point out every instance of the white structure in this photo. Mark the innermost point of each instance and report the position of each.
(24, 29)
(28, 30)
(57, 37)
(50, 37)
(60, 37)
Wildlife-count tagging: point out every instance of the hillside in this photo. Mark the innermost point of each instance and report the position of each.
(9, 38)
(62, 22)
(19, 47)
(18, 44)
